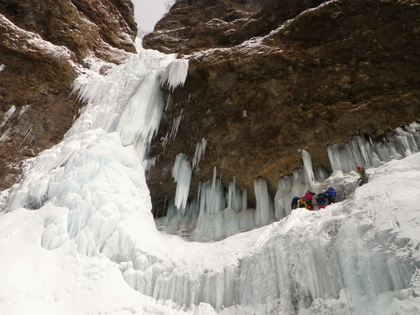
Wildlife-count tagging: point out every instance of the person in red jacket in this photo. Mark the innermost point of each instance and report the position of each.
(308, 199)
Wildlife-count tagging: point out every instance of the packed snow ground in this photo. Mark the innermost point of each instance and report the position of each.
(77, 235)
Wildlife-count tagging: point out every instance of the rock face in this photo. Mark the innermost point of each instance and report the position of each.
(42, 46)
(269, 78)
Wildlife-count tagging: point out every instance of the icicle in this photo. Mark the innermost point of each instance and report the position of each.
(181, 172)
(244, 199)
(264, 210)
(307, 164)
(175, 74)
(360, 152)
(175, 125)
(129, 98)
(200, 148)
(177, 164)
(334, 156)
(235, 198)
(164, 141)
(213, 198)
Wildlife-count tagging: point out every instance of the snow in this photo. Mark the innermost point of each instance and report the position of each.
(34, 43)
(7, 115)
(77, 235)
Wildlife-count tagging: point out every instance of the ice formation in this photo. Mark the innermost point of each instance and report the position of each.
(175, 125)
(200, 149)
(91, 213)
(359, 151)
(7, 115)
(94, 176)
(181, 173)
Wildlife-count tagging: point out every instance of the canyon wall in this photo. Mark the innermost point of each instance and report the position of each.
(269, 78)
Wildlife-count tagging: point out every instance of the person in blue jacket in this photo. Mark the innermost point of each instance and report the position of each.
(321, 199)
(331, 193)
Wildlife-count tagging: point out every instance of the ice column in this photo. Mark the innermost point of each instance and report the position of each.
(212, 196)
(264, 211)
(307, 164)
(237, 198)
(181, 172)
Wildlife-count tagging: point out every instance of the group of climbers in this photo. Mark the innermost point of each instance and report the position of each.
(324, 198)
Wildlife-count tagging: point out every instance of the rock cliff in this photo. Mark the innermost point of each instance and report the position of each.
(268, 78)
(43, 45)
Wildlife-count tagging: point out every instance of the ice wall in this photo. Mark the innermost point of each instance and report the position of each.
(217, 213)
(95, 177)
(359, 152)
(355, 257)
(220, 212)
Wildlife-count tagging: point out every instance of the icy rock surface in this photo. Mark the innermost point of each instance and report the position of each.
(95, 177)
(219, 201)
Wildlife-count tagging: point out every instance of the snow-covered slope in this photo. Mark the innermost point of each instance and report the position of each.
(78, 236)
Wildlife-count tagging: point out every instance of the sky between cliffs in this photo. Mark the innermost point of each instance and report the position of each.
(148, 12)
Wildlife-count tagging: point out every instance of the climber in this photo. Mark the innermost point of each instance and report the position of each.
(331, 193)
(308, 199)
(321, 198)
(364, 178)
(295, 202)
(302, 203)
